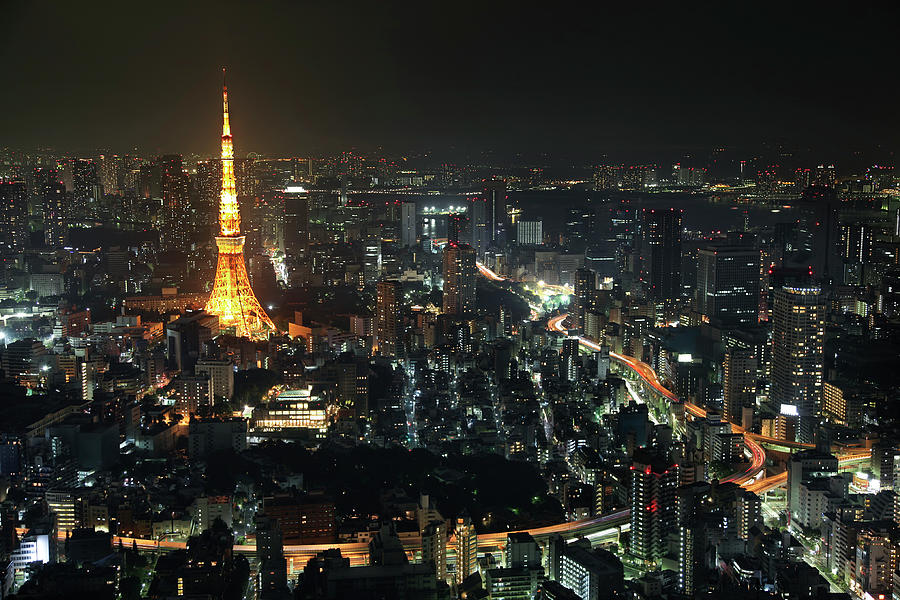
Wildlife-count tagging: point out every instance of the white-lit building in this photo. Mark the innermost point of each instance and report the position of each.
(292, 411)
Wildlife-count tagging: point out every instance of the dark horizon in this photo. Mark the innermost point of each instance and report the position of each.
(616, 82)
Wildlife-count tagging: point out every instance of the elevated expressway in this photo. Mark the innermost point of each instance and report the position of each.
(753, 478)
(597, 529)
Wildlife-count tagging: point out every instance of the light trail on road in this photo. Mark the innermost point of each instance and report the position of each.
(648, 375)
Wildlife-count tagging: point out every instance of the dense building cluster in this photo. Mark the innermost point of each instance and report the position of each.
(477, 381)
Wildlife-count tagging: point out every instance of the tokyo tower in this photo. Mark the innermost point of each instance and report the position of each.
(232, 298)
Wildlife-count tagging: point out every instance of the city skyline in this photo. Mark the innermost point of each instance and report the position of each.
(470, 302)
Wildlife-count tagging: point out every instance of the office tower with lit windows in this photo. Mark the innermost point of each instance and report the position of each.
(371, 258)
(521, 573)
(434, 547)
(585, 287)
(660, 253)
(739, 383)
(606, 178)
(530, 233)
(13, 214)
(232, 298)
(728, 285)
(408, 235)
(857, 240)
(111, 173)
(296, 222)
(568, 365)
(596, 574)
(175, 188)
(466, 549)
(55, 213)
(459, 280)
(653, 508)
(86, 191)
(455, 224)
(798, 347)
(387, 317)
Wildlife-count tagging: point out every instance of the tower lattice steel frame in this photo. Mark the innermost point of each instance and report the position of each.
(232, 299)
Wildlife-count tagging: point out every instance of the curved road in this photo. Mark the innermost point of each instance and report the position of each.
(643, 370)
(750, 478)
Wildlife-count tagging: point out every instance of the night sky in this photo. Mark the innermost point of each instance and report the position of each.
(447, 76)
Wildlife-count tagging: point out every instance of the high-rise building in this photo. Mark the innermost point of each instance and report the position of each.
(569, 359)
(86, 191)
(387, 317)
(434, 548)
(606, 178)
(459, 280)
(408, 224)
(804, 466)
(819, 233)
(739, 383)
(728, 285)
(530, 233)
(193, 394)
(111, 176)
(455, 222)
(54, 206)
(494, 194)
(296, 222)
(371, 259)
(221, 376)
(466, 549)
(590, 574)
(653, 509)
(13, 214)
(521, 573)
(270, 557)
(798, 347)
(857, 240)
(585, 287)
(661, 253)
(232, 298)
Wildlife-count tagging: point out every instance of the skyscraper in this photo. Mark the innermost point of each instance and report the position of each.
(585, 285)
(819, 233)
(111, 173)
(569, 359)
(653, 508)
(798, 340)
(387, 317)
(408, 224)
(13, 214)
(175, 186)
(530, 233)
(232, 298)
(55, 213)
(296, 222)
(494, 193)
(455, 223)
(739, 382)
(459, 279)
(86, 188)
(466, 549)
(661, 253)
(728, 285)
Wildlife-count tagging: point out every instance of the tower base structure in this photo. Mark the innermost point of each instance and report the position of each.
(232, 299)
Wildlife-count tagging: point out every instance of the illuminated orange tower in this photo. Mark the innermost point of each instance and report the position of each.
(232, 298)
